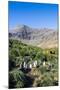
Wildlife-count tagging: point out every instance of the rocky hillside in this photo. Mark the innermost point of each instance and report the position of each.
(44, 38)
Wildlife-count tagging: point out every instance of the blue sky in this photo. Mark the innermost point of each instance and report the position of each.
(36, 15)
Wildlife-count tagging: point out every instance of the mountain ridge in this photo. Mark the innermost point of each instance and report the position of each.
(44, 38)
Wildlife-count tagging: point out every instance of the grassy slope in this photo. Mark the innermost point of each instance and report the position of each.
(42, 76)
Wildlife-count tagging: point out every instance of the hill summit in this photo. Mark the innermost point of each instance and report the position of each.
(44, 38)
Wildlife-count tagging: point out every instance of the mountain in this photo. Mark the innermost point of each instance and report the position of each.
(44, 38)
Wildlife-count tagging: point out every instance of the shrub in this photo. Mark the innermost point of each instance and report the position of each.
(16, 79)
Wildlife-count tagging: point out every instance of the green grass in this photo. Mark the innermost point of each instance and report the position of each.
(17, 53)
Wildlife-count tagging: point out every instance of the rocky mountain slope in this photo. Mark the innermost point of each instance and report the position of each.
(44, 38)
